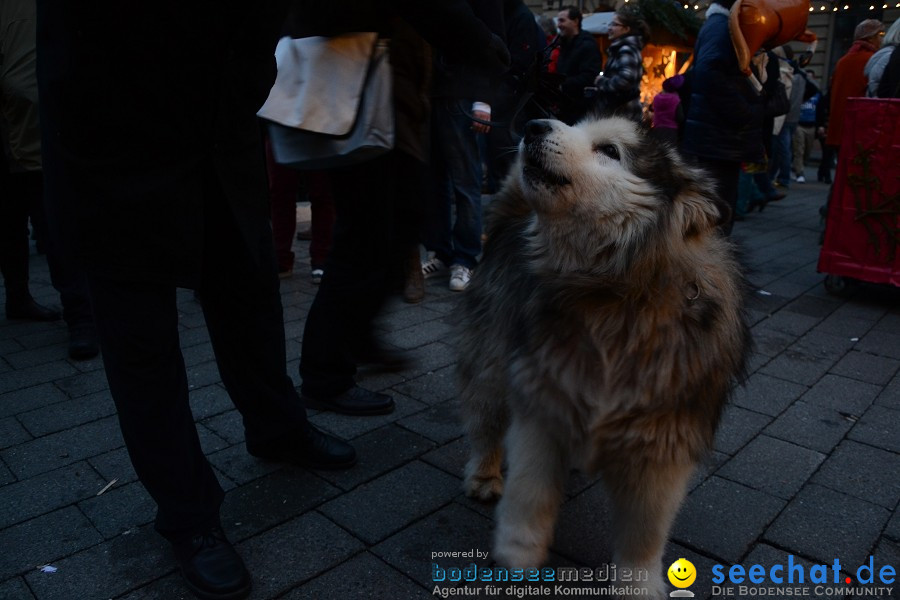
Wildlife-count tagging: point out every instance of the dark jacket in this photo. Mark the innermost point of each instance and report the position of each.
(580, 62)
(621, 81)
(725, 113)
(143, 105)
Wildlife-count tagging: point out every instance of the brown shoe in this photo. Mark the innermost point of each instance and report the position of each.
(414, 290)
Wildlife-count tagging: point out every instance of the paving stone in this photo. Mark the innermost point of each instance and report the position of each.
(811, 306)
(363, 576)
(119, 509)
(867, 367)
(374, 379)
(450, 458)
(420, 334)
(880, 343)
(771, 342)
(892, 530)
(45, 539)
(441, 422)
(819, 428)
(842, 394)
(767, 556)
(63, 448)
(738, 427)
(203, 374)
(12, 432)
(879, 427)
(209, 401)
(861, 309)
(790, 323)
(798, 366)
(584, 527)
(859, 470)
(378, 509)
(9, 345)
(453, 528)
(821, 524)
(170, 587)
(229, 426)
(433, 387)
(24, 378)
(209, 441)
(379, 451)
(890, 395)
(30, 398)
(773, 466)
(47, 335)
(6, 475)
(843, 326)
(767, 395)
(15, 589)
(106, 570)
(83, 384)
(198, 354)
(348, 428)
(723, 518)
(432, 357)
(36, 356)
(193, 337)
(35, 496)
(293, 553)
(273, 499)
(114, 465)
(68, 414)
(239, 466)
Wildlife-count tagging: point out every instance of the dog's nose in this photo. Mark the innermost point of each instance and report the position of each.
(537, 128)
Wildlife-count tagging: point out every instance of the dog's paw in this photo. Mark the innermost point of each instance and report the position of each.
(485, 489)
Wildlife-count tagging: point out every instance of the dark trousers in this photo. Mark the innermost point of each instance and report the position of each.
(377, 215)
(137, 323)
(726, 175)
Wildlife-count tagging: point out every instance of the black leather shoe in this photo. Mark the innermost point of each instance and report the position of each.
(355, 401)
(31, 310)
(308, 448)
(211, 567)
(83, 343)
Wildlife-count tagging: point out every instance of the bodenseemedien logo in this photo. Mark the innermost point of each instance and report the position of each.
(682, 574)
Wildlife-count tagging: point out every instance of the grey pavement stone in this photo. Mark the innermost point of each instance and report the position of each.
(842, 394)
(35, 496)
(68, 414)
(170, 587)
(228, 425)
(290, 554)
(862, 308)
(209, 401)
(858, 470)
(773, 466)
(273, 499)
(9, 345)
(879, 427)
(453, 528)
(32, 337)
(820, 523)
(440, 422)
(767, 395)
(433, 387)
(30, 398)
(880, 343)
(239, 466)
(45, 539)
(867, 367)
(197, 354)
(193, 337)
(420, 334)
(24, 378)
(114, 465)
(106, 570)
(379, 451)
(119, 509)
(12, 432)
(738, 427)
(771, 342)
(890, 396)
(715, 522)
(843, 326)
(348, 428)
(790, 323)
(209, 441)
(203, 374)
(812, 306)
(83, 384)
(892, 530)
(450, 458)
(6, 475)
(432, 357)
(797, 365)
(63, 448)
(380, 381)
(363, 576)
(584, 527)
(812, 426)
(37, 356)
(15, 589)
(378, 509)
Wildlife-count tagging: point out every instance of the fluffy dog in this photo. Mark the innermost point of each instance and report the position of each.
(603, 331)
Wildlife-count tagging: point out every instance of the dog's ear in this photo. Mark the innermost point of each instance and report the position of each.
(697, 212)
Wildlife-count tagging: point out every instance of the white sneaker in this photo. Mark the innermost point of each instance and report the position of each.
(459, 278)
(433, 267)
(801, 179)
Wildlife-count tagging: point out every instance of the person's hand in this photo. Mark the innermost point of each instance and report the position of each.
(481, 127)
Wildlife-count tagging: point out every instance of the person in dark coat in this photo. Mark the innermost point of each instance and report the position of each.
(579, 62)
(151, 137)
(619, 86)
(725, 111)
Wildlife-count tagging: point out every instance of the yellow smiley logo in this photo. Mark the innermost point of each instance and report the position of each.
(682, 573)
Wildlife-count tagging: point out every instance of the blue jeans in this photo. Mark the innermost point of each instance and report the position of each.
(782, 151)
(457, 179)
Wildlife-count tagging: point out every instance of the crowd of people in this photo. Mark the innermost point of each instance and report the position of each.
(146, 168)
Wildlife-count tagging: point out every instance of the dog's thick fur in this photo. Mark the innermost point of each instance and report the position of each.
(603, 330)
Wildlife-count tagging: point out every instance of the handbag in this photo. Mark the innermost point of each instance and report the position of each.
(332, 102)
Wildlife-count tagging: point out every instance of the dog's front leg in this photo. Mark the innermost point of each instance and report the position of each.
(527, 512)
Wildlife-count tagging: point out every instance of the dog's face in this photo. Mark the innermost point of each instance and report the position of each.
(605, 180)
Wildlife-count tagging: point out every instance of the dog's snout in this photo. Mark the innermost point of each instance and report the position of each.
(537, 128)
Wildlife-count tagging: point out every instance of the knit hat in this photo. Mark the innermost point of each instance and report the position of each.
(867, 29)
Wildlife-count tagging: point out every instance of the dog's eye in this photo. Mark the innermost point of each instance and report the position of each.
(609, 150)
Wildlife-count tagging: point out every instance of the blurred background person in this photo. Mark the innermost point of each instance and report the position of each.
(619, 85)
(579, 62)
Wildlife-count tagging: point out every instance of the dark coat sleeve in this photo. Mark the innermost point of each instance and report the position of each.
(581, 65)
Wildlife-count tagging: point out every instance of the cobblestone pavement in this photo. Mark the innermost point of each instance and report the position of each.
(807, 461)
